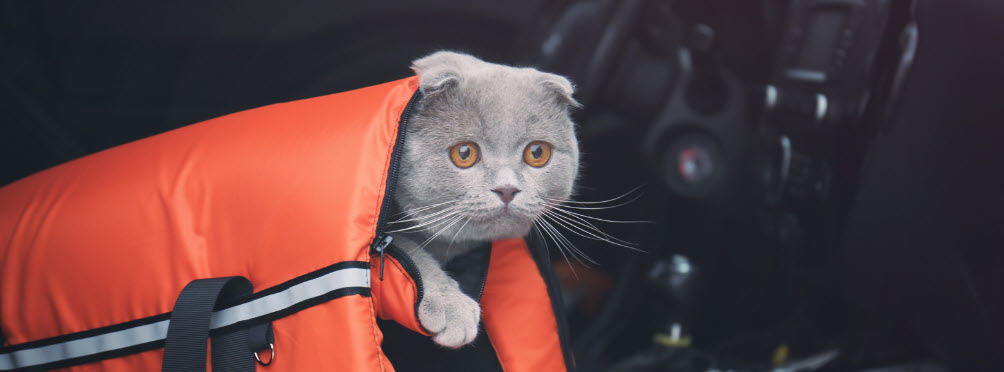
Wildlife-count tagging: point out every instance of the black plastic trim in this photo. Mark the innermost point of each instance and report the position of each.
(543, 261)
(484, 275)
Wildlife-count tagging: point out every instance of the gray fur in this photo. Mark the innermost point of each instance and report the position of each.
(502, 109)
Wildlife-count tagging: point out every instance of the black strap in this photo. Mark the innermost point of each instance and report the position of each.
(260, 337)
(188, 331)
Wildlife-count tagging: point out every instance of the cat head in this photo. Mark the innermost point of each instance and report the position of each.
(489, 146)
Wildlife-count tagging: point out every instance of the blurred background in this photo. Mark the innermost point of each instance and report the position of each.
(824, 176)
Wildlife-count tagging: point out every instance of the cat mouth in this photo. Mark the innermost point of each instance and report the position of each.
(505, 213)
(514, 211)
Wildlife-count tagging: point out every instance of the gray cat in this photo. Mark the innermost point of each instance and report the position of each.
(488, 148)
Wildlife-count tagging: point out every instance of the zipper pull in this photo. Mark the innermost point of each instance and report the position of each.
(382, 248)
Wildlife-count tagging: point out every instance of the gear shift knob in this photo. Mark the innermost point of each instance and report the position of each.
(678, 277)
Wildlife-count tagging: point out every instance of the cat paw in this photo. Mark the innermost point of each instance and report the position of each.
(450, 316)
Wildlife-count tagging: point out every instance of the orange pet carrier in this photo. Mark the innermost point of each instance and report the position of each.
(258, 230)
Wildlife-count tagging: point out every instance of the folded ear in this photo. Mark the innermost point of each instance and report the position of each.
(441, 71)
(559, 88)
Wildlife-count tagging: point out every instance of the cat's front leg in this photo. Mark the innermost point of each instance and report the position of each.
(451, 316)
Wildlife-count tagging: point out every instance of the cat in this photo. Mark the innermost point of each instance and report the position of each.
(487, 148)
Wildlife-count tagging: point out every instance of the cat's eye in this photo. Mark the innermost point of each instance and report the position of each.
(537, 153)
(464, 154)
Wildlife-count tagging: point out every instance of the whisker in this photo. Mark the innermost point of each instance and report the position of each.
(431, 227)
(597, 202)
(429, 240)
(572, 225)
(572, 249)
(537, 230)
(567, 261)
(455, 235)
(430, 215)
(595, 218)
(594, 208)
(419, 209)
(568, 246)
(584, 224)
(426, 223)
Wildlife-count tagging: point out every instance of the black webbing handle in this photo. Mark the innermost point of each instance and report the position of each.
(188, 331)
(260, 337)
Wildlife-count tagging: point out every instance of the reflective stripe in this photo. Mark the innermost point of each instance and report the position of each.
(298, 293)
(351, 277)
(84, 347)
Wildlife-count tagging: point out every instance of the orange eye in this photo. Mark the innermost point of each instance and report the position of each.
(537, 153)
(464, 154)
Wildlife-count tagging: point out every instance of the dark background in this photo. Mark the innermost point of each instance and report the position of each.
(82, 77)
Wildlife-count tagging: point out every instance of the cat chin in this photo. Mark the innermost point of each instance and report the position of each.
(505, 230)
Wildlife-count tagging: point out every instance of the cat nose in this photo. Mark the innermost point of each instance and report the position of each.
(506, 193)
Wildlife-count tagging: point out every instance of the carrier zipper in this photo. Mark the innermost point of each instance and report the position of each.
(382, 240)
(382, 248)
(409, 267)
(484, 277)
(385, 248)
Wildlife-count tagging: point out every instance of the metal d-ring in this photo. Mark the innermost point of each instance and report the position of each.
(271, 348)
